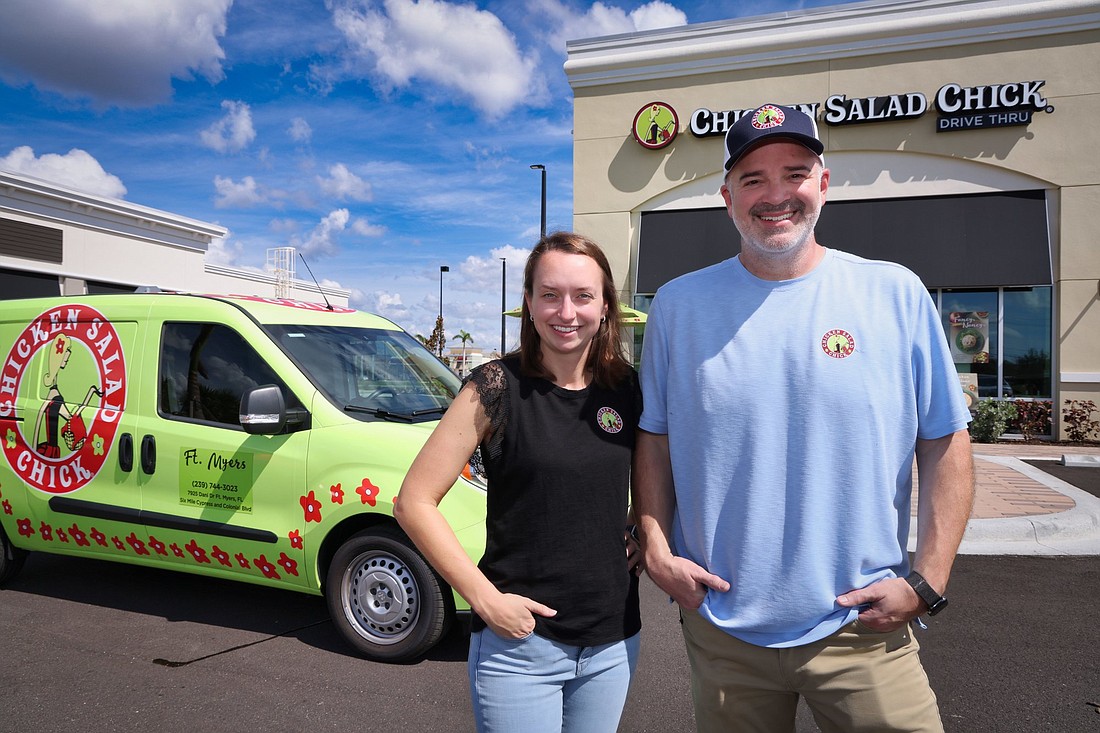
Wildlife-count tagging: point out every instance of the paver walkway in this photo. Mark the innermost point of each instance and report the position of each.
(1001, 491)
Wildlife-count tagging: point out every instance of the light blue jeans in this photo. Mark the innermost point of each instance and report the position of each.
(535, 685)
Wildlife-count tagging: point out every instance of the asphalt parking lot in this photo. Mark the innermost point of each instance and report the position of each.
(98, 646)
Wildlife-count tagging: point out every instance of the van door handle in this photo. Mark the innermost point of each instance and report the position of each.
(126, 452)
(148, 454)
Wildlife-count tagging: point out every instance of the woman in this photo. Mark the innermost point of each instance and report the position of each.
(556, 622)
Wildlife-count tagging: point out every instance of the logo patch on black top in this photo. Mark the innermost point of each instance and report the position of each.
(609, 420)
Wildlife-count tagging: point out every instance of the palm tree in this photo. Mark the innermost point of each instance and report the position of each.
(464, 337)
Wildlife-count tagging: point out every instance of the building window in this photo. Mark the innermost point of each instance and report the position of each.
(16, 284)
(1000, 340)
(1028, 341)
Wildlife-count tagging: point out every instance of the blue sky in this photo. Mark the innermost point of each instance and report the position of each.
(381, 139)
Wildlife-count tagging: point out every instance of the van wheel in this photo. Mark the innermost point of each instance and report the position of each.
(11, 558)
(384, 598)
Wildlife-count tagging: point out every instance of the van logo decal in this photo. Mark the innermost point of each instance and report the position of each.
(68, 365)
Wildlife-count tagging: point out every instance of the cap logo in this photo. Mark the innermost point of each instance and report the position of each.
(767, 117)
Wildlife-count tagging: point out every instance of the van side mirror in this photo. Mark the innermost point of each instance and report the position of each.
(263, 410)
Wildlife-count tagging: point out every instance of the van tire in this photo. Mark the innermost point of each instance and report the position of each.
(384, 598)
(11, 558)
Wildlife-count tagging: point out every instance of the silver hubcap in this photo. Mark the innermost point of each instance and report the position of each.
(380, 597)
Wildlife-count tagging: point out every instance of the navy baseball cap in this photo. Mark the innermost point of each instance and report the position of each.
(770, 120)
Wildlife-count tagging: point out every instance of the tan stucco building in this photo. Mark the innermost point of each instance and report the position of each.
(962, 140)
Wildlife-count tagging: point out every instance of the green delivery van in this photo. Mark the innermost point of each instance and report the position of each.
(246, 438)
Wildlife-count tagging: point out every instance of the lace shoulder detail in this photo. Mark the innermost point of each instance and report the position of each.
(492, 391)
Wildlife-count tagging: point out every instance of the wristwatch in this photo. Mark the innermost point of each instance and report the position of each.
(931, 598)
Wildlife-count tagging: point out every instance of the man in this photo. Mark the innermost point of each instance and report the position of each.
(787, 391)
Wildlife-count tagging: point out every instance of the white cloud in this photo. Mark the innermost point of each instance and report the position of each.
(322, 240)
(231, 194)
(233, 132)
(364, 228)
(122, 52)
(299, 130)
(343, 185)
(75, 168)
(456, 48)
(222, 251)
(604, 20)
(386, 304)
(482, 274)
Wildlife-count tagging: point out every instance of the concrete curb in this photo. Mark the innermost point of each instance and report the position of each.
(1072, 532)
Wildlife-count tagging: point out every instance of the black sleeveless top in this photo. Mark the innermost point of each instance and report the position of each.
(558, 468)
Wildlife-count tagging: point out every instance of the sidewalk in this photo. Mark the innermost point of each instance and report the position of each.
(1021, 510)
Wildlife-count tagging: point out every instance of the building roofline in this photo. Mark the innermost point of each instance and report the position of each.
(818, 34)
(44, 197)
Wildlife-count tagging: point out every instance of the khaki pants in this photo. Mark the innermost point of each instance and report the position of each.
(854, 680)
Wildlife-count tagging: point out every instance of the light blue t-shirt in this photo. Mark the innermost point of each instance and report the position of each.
(792, 410)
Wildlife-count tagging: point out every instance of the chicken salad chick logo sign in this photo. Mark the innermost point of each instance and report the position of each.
(67, 367)
(655, 125)
(957, 108)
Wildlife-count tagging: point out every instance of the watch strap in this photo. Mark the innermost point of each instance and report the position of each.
(927, 593)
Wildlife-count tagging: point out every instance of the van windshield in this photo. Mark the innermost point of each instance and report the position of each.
(371, 373)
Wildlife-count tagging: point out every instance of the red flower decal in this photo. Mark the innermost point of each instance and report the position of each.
(242, 560)
(46, 531)
(118, 543)
(25, 527)
(368, 491)
(221, 556)
(138, 545)
(197, 552)
(311, 506)
(337, 494)
(99, 537)
(61, 535)
(7, 507)
(176, 550)
(266, 567)
(289, 565)
(295, 539)
(157, 545)
(78, 536)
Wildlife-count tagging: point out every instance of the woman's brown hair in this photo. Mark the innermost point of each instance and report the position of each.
(607, 361)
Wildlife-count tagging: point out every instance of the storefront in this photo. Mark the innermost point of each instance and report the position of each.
(961, 139)
(56, 240)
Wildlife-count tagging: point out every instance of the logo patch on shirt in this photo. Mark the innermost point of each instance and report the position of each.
(609, 420)
(838, 343)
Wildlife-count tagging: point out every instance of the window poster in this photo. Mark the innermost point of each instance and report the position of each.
(969, 337)
(969, 383)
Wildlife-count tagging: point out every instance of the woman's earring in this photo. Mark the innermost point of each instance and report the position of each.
(532, 318)
(603, 318)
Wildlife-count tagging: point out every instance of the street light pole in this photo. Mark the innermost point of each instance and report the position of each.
(542, 169)
(442, 269)
(503, 300)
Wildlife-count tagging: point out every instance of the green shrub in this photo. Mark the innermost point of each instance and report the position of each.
(991, 419)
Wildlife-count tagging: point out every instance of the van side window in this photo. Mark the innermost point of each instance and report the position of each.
(205, 368)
